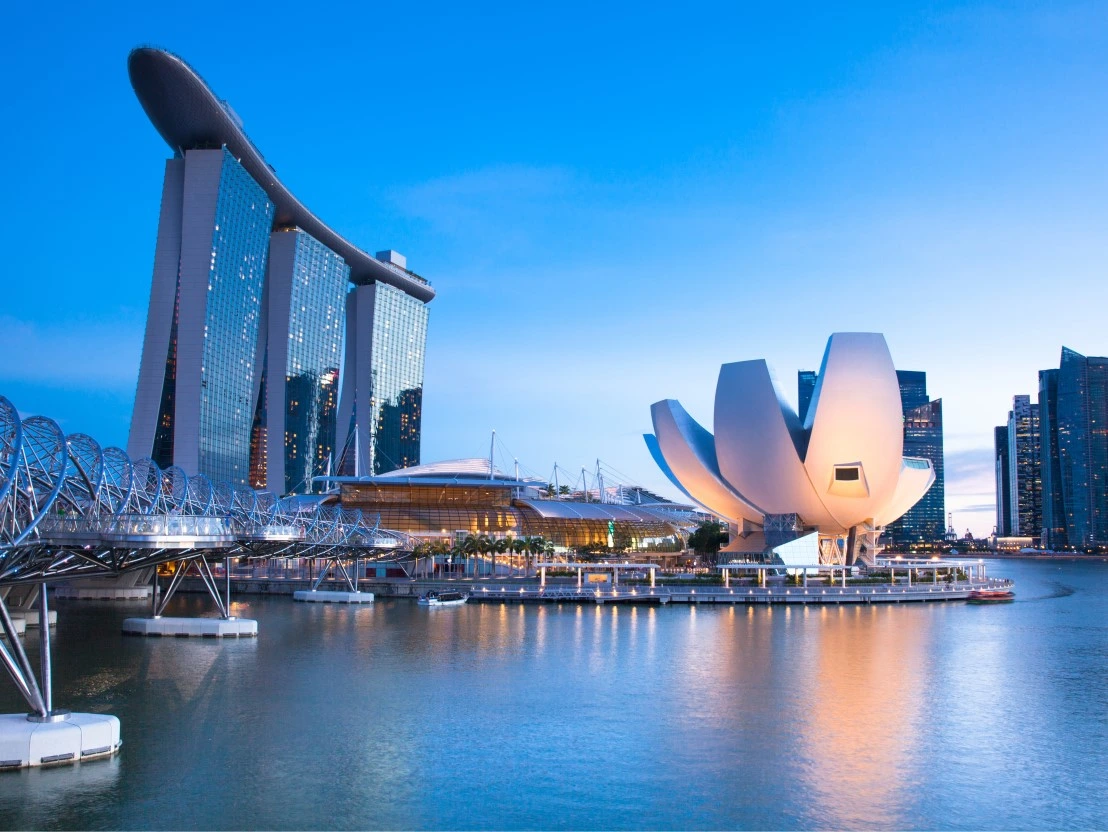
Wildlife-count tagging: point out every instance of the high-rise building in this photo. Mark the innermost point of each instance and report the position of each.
(1024, 481)
(806, 386)
(250, 305)
(925, 522)
(1074, 451)
(1001, 467)
(1050, 470)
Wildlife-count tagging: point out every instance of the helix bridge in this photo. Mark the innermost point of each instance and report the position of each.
(70, 509)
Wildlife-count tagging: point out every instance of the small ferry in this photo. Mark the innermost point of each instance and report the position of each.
(990, 596)
(442, 599)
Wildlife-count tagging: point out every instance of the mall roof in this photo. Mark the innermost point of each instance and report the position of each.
(187, 113)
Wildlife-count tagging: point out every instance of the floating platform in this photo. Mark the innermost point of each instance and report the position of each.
(102, 593)
(61, 739)
(332, 597)
(30, 617)
(191, 627)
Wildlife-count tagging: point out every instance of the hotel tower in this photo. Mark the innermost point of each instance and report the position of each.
(276, 351)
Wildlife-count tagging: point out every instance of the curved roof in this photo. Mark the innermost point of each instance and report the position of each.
(477, 467)
(187, 114)
(567, 510)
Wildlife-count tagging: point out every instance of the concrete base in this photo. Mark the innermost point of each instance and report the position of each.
(19, 624)
(77, 737)
(30, 617)
(194, 627)
(332, 597)
(103, 593)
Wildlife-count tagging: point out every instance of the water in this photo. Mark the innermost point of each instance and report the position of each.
(394, 716)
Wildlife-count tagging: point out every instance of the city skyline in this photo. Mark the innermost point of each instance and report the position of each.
(904, 169)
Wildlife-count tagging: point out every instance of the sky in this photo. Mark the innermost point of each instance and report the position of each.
(611, 200)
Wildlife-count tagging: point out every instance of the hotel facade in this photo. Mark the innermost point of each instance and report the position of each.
(275, 350)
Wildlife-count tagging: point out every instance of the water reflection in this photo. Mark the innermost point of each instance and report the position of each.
(512, 716)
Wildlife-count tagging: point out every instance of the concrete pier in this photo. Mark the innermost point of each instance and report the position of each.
(165, 626)
(103, 593)
(59, 739)
(323, 596)
(30, 617)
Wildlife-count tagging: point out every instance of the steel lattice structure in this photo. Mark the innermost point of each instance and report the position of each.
(69, 508)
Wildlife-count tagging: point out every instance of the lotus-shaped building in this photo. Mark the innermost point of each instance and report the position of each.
(773, 474)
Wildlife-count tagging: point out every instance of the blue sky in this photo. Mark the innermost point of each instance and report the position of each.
(610, 201)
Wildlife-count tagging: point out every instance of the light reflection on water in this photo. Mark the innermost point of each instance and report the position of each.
(510, 716)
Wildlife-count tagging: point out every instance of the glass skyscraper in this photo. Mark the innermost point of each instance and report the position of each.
(240, 374)
(1024, 480)
(923, 437)
(1074, 452)
(1001, 467)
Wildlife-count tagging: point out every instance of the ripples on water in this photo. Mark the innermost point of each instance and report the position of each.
(914, 716)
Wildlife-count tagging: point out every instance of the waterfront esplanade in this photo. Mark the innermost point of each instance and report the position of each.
(256, 305)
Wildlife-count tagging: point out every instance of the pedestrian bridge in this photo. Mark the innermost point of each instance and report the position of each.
(70, 508)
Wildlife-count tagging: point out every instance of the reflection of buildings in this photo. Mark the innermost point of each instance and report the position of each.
(249, 303)
(841, 472)
(455, 499)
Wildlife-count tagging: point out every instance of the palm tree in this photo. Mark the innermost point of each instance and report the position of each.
(471, 546)
(535, 545)
(500, 546)
(518, 545)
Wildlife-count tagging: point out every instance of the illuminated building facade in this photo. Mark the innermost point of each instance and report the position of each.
(925, 522)
(453, 500)
(249, 301)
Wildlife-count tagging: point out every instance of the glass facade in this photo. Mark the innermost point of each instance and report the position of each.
(923, 437)
(1053, 505)
(805, 387)
(236, 278)
(399, 341)
(315, 342)
(1003, 482)
(1024, 470)
(1080, 429)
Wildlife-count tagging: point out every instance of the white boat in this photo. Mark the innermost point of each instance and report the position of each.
(442, 599)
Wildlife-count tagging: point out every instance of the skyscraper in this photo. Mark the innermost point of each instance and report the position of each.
(923, 437)
(1024, 481)
(1002, 470)
(249, 306)
(1074, 451)
(806, 386)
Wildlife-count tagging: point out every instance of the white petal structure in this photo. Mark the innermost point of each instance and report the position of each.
(840, 470)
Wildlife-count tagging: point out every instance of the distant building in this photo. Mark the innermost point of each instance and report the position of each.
(1003, 481)
(1074, 451)
(806, 386)
(1024, 481)
(923, 437)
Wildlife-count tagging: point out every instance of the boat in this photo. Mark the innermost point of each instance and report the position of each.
(442, 599)
(990, 596)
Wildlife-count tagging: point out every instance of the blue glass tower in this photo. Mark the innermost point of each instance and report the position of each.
(923, 523)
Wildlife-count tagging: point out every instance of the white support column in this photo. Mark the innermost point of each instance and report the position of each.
(652, 579)
(726, 578)
(542, 576)
(578, 577)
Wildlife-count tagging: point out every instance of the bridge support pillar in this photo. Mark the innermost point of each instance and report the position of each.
(46, 736)
(349, 596)
(226, 626)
